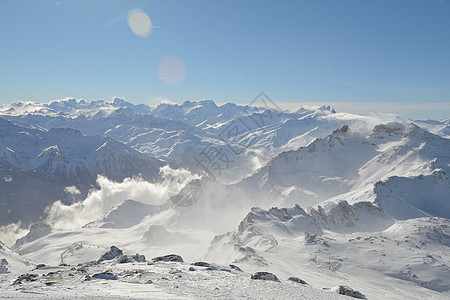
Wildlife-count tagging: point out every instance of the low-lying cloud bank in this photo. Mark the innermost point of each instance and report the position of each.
(98, 202)
(11, 232)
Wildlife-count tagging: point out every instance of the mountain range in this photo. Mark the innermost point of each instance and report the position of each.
(335, 199)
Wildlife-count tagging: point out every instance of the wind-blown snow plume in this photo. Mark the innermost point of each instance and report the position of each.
(98, 202)
(11, 232)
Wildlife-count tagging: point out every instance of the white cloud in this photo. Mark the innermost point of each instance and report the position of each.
(73, 190)
(370, 107)
(11, 232)
(98, 202)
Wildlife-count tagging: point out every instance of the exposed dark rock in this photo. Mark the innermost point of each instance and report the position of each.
(122, 259)
(138, 257)
(169, 258)
(265, 276)
(4, 266)
(40, 266)
(25, 277)
(236, 268)
(105, 275)
(111, 254)
(345, 290)
(296, 279)
(191, 269)
(201, 264)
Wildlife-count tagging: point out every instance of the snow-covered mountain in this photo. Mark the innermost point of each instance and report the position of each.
(404, 163)
(317, 196)
(227, 142)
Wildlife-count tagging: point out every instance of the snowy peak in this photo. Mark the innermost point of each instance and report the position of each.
(395, 129)
(37, 230)
(422, 231)
(389, 129)
(324, 108)
(350, 170)
(278, 221)
(71, 107)
(65, 146)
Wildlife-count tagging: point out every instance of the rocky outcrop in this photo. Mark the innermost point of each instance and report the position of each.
(168, 258)
(105, 275)
(111, 254)
(24, 278)
(345, 290)
(3, 266)
(37, 230)
(265, 276)
(297, 280)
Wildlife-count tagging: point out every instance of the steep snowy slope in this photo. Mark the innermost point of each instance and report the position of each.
(353, 162)
(441, 127)
(11, 262)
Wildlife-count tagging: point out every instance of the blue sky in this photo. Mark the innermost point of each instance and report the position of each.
(386, 56)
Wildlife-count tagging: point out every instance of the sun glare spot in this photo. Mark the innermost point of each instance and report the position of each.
(171, 70)
(139, 22)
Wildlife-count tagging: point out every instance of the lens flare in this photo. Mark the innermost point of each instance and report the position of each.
(139, 22)
(171, 70)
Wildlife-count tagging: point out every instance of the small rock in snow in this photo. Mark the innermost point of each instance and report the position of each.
(169, 258)
(105, 275)
(113, 253)
(345, 290)
(296, 279)
(265, 276)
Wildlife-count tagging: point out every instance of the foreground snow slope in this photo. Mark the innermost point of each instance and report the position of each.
(407, 260)
(152, 280)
